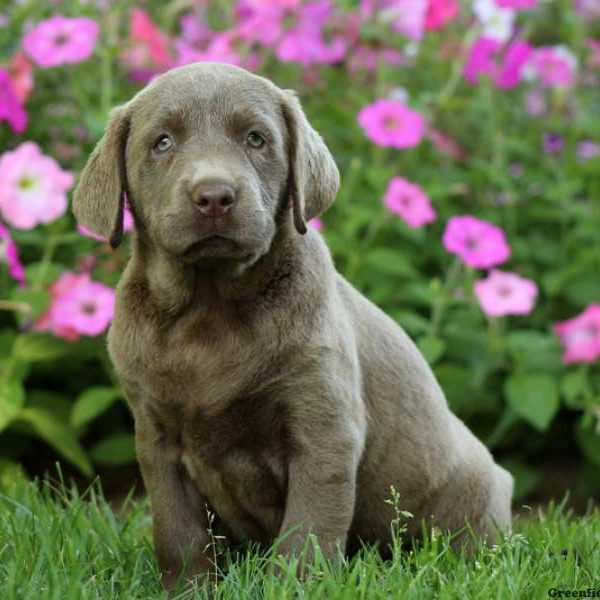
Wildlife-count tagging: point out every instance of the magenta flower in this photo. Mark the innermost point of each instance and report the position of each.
(392, 124)
(517, 4)
(368, 58)
(79, 307)
(33, 188)
(486, 57)
(410, 202)
(11, 107)
(293, 28)
(316, 223)
(581, 336)
(478, 243)
(61, 40)
(10, 255)
(553, 66)
(504, 293)
(440, 12)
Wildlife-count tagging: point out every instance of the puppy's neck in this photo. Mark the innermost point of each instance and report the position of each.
(174, 285)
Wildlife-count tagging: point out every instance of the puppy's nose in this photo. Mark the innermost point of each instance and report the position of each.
(215, 199)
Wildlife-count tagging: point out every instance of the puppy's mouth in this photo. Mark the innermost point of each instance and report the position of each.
(213, 245)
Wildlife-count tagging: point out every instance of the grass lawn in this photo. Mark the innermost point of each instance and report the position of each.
(57, 543)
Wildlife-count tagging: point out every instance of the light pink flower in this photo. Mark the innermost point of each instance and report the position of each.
(61, 40)
(581, 336)
(194, 29)
(478, 243)
(78, 307)
(553, 66)
(33, 188)
(410, 202)
(504, 293)
(486, 57)
(517, 4)
(368, 58)
(127, 226)
(220, 49)
(21, 76)
(440, 12)
(11, 109)
(293, 28)
(406, 17)
(390, 123)
(316, 223)
(10, 255)
(446, 144)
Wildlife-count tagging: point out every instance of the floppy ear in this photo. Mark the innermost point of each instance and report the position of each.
(314, 178)
(99, 198)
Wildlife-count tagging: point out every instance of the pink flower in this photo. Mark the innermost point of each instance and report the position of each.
(10, 255)
(21, 76)
(440, 12)
(446, 145)
(406, 17)
(410, 202)
(79, 306)
(368, 58)
(503, 68)
(517, 4)
(553, 66)
(293, 28)
(504, 293)
(11, 108)
(478, 243)
(220, 49)
(316, 223)
(390, 123)
(127, 226)
(33, 188)
(581, 336)
(61, 40)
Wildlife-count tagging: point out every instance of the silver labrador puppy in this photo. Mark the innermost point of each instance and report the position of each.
(263, 385)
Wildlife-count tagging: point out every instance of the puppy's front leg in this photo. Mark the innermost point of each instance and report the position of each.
(321, 485)
(179, 519)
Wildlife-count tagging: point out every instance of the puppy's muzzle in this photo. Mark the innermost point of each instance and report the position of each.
(214, 199)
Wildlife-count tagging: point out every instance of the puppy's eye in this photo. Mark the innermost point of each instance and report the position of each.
(163, 143)
(255, 140)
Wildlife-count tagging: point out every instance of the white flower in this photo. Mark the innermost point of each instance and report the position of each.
(497, 22)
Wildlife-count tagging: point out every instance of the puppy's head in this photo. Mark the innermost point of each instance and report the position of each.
(210, 157)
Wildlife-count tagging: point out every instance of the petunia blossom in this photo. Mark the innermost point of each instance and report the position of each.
(517, 4)
(78, 307)
(478, 243)
(580, 336)
(410, 202)
(10, 255)
(11, 108)
(503, 293)
(33, 188)
(497, 22)
(440, 12)
(316, 224)
(552, 66)
(487, 56)
(390, 123)
(61, 40)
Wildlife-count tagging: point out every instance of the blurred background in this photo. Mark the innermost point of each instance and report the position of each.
(468, 138)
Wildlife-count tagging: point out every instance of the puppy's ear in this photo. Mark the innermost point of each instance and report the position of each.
(314, 178)
(99, 198)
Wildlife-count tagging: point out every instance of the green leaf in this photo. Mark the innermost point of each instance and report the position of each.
(117, 449)
(43, 274)
(92, 403)
(37, 300)
(12, 476)
(59, 435)
(533, 350)
(432, 348)
(534, 397)
(31, 347)
(575, 387)
(388, 261)
(589, 442)
(12, 398)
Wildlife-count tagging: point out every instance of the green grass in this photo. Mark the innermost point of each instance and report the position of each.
(58, 543)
